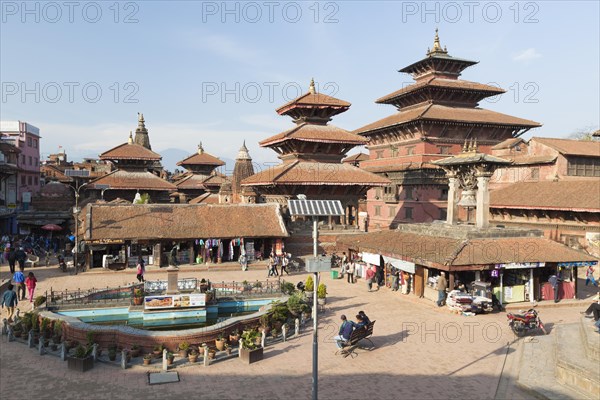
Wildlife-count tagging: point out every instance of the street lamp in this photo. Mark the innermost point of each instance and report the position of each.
(315, 209)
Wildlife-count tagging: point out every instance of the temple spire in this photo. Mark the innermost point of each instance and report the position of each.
(437, 47)
(200, 148)
(311, 87)
(130, 140)
(141, 133)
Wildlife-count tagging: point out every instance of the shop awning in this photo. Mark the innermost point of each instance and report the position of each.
(400, 264)
(521, 265)
(371, 258)
(578, 264)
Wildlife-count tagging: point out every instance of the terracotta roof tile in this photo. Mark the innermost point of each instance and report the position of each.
(315, 133)
(206, 198)
(586, 148)
(311, 100)
(201, 159)
(411, 166)
(438, 112)
(439, 250)
(183, 221)
(133, 180)
(575, 195)
(131, 151)
(314, 173)
(507, 144)
(200, 181)
(530, 160)
(356, 157)
(453, 84)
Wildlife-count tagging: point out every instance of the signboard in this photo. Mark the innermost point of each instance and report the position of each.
(26, 197)
(175, 301)
(521, 265)
(105, 241)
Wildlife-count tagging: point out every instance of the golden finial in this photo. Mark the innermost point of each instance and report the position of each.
(311, 87)
(465, 147)
(475, 145)
(130, 140)
(437, 47)
(200, 148)
(141, 117)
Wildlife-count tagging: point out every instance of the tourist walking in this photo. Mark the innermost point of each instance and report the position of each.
(441, 288)
(272, 266)
(174, 256)
(370, 275)
(243, 260)
(554, 280)
(31, 283)
(12, 259)
(350, 272)
(10, 300)
(21, 256)
(19, 282)
(284, 263)
(589, 276)
(141, 270)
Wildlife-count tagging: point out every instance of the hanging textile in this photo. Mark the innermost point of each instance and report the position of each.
(231, 250)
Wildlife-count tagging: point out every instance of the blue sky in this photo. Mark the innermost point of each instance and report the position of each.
(215, 72)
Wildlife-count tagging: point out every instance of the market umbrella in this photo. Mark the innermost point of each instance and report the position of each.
(51, 227)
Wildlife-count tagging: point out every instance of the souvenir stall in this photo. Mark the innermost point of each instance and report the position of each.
(567, 274)
(431, 276)
(406, 276)
(108, 254)
(516, 282)
(135, 251)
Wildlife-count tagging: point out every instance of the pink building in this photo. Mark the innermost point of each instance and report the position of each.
(26, 138)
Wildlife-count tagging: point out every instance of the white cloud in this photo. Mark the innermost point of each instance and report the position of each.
(527, 55)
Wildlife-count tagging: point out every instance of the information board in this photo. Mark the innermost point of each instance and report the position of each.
(175, 301)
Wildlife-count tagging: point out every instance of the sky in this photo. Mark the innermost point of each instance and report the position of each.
(214, 72)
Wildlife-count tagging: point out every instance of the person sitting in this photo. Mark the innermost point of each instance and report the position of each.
(360, 322)
(592, 311)
(344, 333)
(300, 286)
(365, 319)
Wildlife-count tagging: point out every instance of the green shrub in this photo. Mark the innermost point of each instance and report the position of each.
(39, 300)
(90, 336)
(184, 346)
(35, 321)
(249, 339)
(322, 291)
(81, 352)
(288, 288)
(309, 286)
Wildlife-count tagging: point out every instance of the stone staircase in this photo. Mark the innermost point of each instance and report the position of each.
(562, 365)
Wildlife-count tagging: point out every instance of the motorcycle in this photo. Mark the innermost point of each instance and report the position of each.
(61, 263)
(525, 322)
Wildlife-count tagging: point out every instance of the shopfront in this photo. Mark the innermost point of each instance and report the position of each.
(406, 273)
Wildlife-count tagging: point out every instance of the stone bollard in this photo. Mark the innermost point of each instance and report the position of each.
(284, 332)
(41, 347)
(124, 359)
(262, 340)
(240, 348)
(11, 336)
(95, 351)
(302, 320)
(206, 360)
(5, 326)
(165, 366)
(30, 340)
(63, 351)
(297, 327)
(17, 317)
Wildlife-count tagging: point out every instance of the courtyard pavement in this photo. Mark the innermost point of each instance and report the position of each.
(422, 352)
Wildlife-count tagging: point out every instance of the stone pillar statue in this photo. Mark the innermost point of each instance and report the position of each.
(284, 332)
(482, 213)
(124, 359)
(63, 351)
(240, 348)
(165, 365)
(452, 210)
(206, 360)
(95, 351)
(297, 326)
(262, 340)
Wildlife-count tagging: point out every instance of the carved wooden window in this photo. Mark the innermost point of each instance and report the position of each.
(379, 154)
(391, 211)
(410, 150)
(394, 151)
(408, 213)
(377, 211)
(444, 149)
(583, 166)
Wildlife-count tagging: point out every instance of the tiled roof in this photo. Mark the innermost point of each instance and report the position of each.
(183, 221)
(572, 147)
(127, 151)
(530, 160)
(455, 84)
(200, 181)
(440, 250)
(314, 173)
(315, 133)
(356, 157)
(205, 198)
(311, 100)
(576, 195)
(133, 180)
(507, 144)
(438, 112)
(411, 166)
(201, 159)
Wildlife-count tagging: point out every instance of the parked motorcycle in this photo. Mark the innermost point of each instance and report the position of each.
(525, 322)
(61, 263)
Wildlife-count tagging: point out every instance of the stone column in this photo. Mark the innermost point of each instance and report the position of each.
(157, 253)
(172, 276)
(452, 210)
(482, 212)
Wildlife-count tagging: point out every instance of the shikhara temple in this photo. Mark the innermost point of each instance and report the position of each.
(436, 114)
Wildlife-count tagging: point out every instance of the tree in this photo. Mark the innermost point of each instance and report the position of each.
(589, 133)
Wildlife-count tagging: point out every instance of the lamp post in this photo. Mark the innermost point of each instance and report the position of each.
(76, 211)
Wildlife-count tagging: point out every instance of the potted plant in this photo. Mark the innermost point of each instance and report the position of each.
(193, 355)
(44, 328)
(90, 336)
(148, 358)
(58, 327)
(138, 297)
(170, 358)
(212, 352)
(228, 348)
(297, 305)
(183, 349)
(220, 342)
(250, 351)
(265, 325)
(322, 294)
(309, 287)
(82, 360)
(234, 337)
(274, 333)
(246, 286)
(135, 350)
(201, 349)
(158, 350)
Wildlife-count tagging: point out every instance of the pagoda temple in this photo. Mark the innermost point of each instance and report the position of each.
(132, 176)
(436, 114)
(312, 152)
(202, 180)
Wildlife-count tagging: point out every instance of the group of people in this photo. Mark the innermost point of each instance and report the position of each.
(276, 261)
(11, 297)
(347, 327)
(348, 268)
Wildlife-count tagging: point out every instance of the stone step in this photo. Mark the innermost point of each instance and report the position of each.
(537, 370)
(590, 338)
(573, 367)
